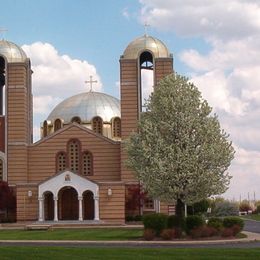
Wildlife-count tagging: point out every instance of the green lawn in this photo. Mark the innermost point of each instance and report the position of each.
(72, 234)
(35, 253)
(253, 216)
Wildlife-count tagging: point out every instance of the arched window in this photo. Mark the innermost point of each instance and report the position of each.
(147, 78)
(45, 128)
(97, 125)
(1, 170)
(74, 155)
(116, 126)
(87, 163)
(57, 124)
(76, 119)
(61, 161)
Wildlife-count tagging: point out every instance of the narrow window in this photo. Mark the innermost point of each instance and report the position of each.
(57, 124)
(97, 125)
(61, 161)
(147, 78)
(117, 127)
(2, 86)
(1, 170)
(87, 167)
(73, 154)
(148, 204)
(76, 119)
(45, 128)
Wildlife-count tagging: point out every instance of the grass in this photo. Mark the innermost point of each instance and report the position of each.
(72, 234)
(252, 216)
(35, 253)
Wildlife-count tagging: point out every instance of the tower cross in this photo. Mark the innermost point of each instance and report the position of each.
(91, 81)
(146, 25)
(2, 31)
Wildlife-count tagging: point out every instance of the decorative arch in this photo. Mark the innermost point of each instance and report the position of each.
(48, 205)
(73, 152)
(3, 175)
(88, 205)
(57, 124)
(68, 207)
(45, 128)
(76, 119)
(87, 163)
(146, 71)
(67, 179)
(116, 127)
(1, 170)
(97, 125)
(61, 161)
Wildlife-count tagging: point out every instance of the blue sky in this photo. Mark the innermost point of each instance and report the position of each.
(214, 42)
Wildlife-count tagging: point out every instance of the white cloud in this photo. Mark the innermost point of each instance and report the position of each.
(228, 75)
(56, 77)
(221, 19)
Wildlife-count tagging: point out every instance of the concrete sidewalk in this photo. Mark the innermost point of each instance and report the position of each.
(251, 237)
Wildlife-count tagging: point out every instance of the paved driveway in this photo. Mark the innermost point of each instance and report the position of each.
(252, 226)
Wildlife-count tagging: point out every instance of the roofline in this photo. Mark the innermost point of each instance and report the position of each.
(70, 126)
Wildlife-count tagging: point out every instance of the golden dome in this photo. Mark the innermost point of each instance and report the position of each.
(12, 52)
(146, 43)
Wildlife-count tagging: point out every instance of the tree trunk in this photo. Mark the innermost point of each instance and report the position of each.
(179, 211)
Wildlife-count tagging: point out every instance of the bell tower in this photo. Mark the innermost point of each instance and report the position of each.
(145, 61)
(15, 110)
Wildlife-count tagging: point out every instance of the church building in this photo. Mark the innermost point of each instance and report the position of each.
(76, 171)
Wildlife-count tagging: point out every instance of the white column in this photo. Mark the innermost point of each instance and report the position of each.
(80, 208)
(96, 198)
(55, 208)
(41, 209)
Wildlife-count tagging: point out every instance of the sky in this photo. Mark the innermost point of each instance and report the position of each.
(216, 43)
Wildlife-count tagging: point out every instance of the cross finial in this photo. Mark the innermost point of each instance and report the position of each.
(146, 25)
(90, 81)
(2, 31)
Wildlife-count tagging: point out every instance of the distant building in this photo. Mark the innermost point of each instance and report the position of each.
(76, 170)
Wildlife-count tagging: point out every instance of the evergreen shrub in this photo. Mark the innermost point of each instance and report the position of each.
(229, 222)
(156, 221)
(193, 222)
(216, 223)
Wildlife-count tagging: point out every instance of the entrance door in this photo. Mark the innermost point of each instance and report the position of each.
(48, 206)
(88, 205)
(68, 204)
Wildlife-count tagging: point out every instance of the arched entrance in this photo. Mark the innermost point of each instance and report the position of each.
(88, 205)
(68, 204)
(48, 206)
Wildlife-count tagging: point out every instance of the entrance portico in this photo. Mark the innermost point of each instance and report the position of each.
(69, 192)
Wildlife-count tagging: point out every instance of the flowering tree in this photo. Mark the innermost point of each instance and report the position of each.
(180, 152)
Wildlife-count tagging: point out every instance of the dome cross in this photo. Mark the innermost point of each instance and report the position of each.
(91, 81)
(2, 31)
(146, 25)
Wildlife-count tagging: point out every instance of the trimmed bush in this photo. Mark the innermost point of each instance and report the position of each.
(167, 234)
(193, 222)
(156, 221)
(203, 231)
(227, 232)
(149, 234)
(236, 229)
(216, 223)
(175, 222)
(229, 222)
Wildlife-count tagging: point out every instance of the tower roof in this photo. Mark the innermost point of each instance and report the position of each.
(86, 106)
(146, 43)
(12, 52)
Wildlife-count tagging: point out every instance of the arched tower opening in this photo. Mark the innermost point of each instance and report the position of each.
(146, 74)
(2, 85)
